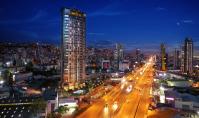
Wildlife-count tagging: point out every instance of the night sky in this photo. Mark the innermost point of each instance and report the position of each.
(134, 23)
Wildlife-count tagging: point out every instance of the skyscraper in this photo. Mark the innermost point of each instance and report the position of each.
(73, 47)
(176, 59)
(138, 54)
(188, 56)
(163, 57)
(182, 58)
(118, 55)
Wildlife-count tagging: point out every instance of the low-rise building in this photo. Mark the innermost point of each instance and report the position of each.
(51, 97)
(106, 64)
(124, 65)
(69, 102)
(22, 76)
(4, 92)
(179, 83)
(187, 102)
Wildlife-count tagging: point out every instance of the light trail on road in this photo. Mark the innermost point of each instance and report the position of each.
(130, 104)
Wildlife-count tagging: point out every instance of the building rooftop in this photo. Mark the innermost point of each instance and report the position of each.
(189, 97)
(14, 107)
(178, 80)
(50, 94)
(17, 100)
(172, 94)
(22, 111)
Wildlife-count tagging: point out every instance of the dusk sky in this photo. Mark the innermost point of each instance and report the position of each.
(134, 23)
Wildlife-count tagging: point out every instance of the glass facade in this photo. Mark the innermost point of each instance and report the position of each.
(73, 46)
(188, 56)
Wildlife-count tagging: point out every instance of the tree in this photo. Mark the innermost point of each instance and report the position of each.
(29, 66)
(1, 78)
(7, 75)
(38, 106)
(54, 115)
(63, 109)
(8, 78)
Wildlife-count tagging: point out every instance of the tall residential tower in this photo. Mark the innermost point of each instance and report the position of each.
(163, 57)
(73, 47)
(118, 55)
(188, 56)
(176, 59)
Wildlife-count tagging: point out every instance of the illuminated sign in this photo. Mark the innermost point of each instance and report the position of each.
(75, 13)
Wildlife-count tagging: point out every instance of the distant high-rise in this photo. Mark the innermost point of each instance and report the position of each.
(188, 56)
(176, 59)
(163, 57)
(73, 47)
(182, 58)
(138, 54)
(118, 55)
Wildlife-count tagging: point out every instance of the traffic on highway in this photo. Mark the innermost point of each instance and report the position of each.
(128, 99)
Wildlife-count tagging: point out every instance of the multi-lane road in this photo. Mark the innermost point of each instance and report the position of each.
(129, 99)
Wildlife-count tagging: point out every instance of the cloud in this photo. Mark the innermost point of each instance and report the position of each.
(95, 33)
(10, 22)
(178, 23)
(18, 35)
(181, 22)
(107, 13)
(40, 14)
(187, 21)
(143, 46)
(30, 19)
(109, 10)
(29, 34)
(100, 43)
(161, 9)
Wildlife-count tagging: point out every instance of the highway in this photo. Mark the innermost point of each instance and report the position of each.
(129, 99)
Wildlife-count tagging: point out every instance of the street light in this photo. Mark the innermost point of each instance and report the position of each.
(162, 88)
(1, 82)
(13, 77)
(123, 80)
(116, 74)
(198, 112)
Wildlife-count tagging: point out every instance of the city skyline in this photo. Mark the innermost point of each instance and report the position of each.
(138, 24)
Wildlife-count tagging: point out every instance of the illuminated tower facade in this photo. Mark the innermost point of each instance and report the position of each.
(163, 57)
(138, 55)
(188, 56)
(182, 58)
(118, 55)
(176, 59)
(73, 47)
